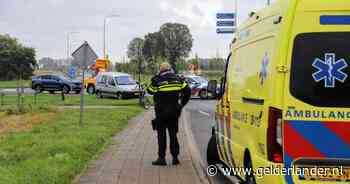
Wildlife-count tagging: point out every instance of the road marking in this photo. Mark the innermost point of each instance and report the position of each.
(204, 113)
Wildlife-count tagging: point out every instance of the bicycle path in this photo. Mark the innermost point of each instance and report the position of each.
(128, 159)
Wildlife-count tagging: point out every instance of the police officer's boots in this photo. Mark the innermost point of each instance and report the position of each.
(176, 161)
(159, 161)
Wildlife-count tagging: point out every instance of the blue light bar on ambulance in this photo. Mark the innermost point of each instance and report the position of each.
(335, 20)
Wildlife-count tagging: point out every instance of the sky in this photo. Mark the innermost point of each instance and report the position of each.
(45, 24)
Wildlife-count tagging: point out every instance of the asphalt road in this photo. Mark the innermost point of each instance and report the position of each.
(11, 91)
(201, 114)
(27, 91)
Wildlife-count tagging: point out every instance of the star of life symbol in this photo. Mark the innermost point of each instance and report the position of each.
(330, 70)
(263, 70)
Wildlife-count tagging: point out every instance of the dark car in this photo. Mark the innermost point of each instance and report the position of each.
(54, 83)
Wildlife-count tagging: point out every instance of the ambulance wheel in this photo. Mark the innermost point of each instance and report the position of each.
(212, 152)
(249, 177)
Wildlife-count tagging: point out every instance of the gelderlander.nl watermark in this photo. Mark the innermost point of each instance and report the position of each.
(260, 172)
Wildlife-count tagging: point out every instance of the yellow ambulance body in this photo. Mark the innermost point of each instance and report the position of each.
(285, 97)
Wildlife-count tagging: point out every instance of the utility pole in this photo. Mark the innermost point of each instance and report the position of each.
(68, 42)
(104, 33)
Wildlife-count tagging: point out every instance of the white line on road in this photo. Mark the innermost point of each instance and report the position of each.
(204, 113)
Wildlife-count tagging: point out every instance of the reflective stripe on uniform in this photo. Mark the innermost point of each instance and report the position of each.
(168, 87)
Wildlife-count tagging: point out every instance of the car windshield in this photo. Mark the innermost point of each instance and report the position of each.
(200, 79)
(125, 80)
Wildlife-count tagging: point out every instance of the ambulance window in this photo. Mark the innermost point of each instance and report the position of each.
(223, 83)
(320, 71)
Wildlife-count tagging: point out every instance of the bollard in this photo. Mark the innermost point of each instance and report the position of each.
(35, 96)
(62, 95)
(22, 99)
(2, 98)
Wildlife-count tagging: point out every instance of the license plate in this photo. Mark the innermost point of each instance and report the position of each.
(325, 173)
(137, 93)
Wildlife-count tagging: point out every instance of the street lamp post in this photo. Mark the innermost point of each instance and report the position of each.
(104, 33)
(236, 13)
(68, 42)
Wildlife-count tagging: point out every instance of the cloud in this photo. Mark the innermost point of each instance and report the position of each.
(44, 24)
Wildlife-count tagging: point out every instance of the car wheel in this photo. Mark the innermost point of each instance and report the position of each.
(65, 89)
(203, 94)
(212, 152)
(90, 90)
(99, 94)
(249, 177)
(38, 89)
(119, 96)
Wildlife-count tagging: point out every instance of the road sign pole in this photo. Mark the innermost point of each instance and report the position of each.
(82, 101)
(82, 88)
(84, 55)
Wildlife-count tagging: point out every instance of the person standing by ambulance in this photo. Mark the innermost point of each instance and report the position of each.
(170, 94)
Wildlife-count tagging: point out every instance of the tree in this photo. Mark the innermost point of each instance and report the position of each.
(15, 60)
(153, 46)
(153, 51)
(178, 41)
(135, 48)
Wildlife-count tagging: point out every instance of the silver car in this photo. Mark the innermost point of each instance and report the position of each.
(116, 85)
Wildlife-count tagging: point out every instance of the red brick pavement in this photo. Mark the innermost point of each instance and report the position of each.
(128, 159)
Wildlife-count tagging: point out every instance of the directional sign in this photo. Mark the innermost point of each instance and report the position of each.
(72, 72)
(225, 16)
(225, 30)
(84, 55)
(225, 23)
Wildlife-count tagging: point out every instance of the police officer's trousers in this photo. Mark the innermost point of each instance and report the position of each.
(172, 127)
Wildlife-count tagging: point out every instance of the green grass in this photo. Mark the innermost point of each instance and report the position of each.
(56, 151)
(13, 84)
(56, 99)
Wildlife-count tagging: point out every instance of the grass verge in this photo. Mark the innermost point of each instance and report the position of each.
(57, 150)
(55, 99)
(13, 84)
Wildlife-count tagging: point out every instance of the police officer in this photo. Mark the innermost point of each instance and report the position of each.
(170, 94)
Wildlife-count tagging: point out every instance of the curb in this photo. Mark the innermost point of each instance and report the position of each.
(197, 162)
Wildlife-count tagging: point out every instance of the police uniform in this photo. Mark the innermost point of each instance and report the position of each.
(170, 95)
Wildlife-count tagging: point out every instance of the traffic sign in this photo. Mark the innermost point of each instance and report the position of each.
(225, 23)
(225, 30)
(84, 55)
(72, 72)
(225, 15)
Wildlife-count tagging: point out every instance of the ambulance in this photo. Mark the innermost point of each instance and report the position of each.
(284, 104)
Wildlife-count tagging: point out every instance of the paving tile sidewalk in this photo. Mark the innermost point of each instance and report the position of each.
(128, 159)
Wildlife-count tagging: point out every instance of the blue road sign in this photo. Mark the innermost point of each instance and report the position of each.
(225, 23)
(72, 72)
(225, 15)
(225, 30)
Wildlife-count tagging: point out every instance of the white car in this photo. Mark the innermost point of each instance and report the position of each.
(117, 85)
